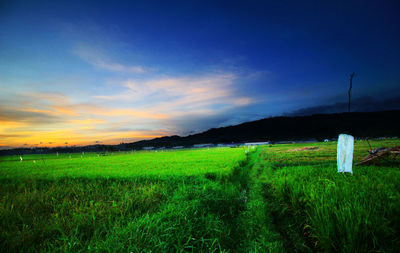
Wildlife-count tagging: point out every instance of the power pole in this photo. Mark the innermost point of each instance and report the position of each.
(351, 86)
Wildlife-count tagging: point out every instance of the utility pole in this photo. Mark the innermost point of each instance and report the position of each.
(351, 86)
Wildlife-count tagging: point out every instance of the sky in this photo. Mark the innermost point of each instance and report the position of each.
(106, 72)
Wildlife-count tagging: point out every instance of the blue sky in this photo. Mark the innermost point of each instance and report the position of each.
(94, 71)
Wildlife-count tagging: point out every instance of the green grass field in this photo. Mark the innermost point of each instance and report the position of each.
(278, 198)
(123, 165)
(317, 209)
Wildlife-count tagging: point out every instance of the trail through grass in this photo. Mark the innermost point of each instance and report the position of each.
(336, 212)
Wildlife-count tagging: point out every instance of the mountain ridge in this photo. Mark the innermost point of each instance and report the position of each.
(273, 129)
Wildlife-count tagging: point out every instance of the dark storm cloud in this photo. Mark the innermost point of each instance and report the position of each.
(362, 104)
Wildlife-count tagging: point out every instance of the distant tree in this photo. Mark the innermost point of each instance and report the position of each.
(351, 86)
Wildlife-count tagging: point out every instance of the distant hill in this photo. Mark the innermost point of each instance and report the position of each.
(319, 127)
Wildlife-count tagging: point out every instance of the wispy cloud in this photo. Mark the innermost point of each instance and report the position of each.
(98, 58)
(143, 103)
(12, 114)
(182, 95)
(191, 103)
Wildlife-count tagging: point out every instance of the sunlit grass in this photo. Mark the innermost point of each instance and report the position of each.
(124, 164)
(128, 202)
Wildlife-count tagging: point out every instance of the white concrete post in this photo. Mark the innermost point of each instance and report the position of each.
(345, 150)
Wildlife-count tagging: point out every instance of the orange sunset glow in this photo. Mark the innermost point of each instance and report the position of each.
(51, 119)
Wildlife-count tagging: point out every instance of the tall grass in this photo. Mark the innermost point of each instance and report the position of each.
(281, 198)
(133, 214)
(340, 212)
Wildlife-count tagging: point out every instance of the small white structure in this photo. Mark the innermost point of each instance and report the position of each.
(257, 143)
(148, 148)
(205, 145)
(345, 150)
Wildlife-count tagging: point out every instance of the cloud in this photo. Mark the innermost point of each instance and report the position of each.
(361, 104)
(139, 107)
(11, 135)
(4, 147)
(10, 115)
(127, 112)
(190, 103)
(98, 59)
(182, 95)
(51, 119)
(34, 108)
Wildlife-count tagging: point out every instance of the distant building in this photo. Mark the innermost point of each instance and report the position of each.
(205, 145)
(148, 148)
(285, 142)
(256, 143)
(226, 145)
(307, 141)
